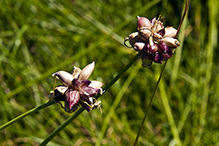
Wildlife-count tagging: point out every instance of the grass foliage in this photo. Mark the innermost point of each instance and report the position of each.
(38, 38)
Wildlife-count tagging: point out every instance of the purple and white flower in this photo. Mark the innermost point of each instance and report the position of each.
(77, 89)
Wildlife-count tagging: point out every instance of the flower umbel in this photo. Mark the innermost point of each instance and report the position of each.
(155, 42)
(77, 89)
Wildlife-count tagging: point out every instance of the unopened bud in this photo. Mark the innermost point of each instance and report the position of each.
(170, 32)
(133, 38)
(158, 57)
(144, 33)
(152, 48)
(138, 46)
(167, 55)
(171, 42)
(163, 47)
(143, 22)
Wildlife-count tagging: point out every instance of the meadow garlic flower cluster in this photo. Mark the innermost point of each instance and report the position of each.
(77, 89)
(155, 42)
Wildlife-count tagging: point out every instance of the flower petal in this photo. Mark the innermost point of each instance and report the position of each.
(170, 32)
(158, 25)
(86, 72)
(138, 46)
(64, 77)
(167, 55)
(72, 97)
(161, 33)
(59, 92)
(171, 42)
(133, 38)
(144, 33)
(85, 82)
(158, 57)
(163, 47)
(76, 83)
(87, 91)
(153, 20)
(143, 22)
(96, 84)
(76, 72)
(152, 48)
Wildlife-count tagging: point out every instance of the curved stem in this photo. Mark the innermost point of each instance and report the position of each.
(26, 114)
(78, 112)
(149, 106)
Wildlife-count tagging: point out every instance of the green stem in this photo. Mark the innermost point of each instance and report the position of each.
(121, 73)
(26, 114)
(78, 112)
(149, 106)
(62, 126)
(145, 117)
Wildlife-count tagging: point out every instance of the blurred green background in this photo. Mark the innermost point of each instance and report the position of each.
(38, 38)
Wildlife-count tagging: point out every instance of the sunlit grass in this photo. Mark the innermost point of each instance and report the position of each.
(38, 38)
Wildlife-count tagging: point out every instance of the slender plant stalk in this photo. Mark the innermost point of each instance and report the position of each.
(116, 102)
(26, 114)
(62, 126)
(78, 112)
(211, 45)
(183, 17)
(149, 106)
(169, 114)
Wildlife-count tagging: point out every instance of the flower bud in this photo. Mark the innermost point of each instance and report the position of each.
(143, 22)
(163, 47)
(138, 46)
(96, 84)
(158, 57)
(170, 32)
(167, 55)
(171, 42)
(152, 48)
(144, 33)
(133, 38)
